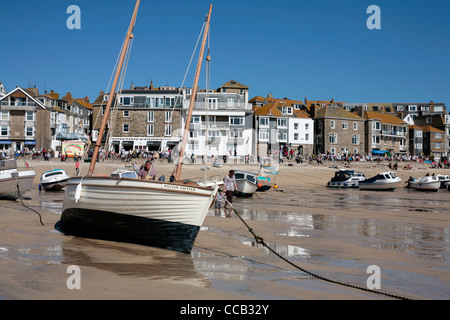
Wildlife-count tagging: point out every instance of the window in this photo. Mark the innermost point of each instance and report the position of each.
(168, 117)
(263, 135)
(375, 108)
(263, 122)
(150, 116)
(429, 120)
(418, 146)
(196, 119)
(4, 115)
(333, 138)
(150, 130)
(399, 108)
(126, 101)
(230, 102)
(437, 145)
(438, 108)
(333, 151)
(4, 131)
(236, 134)
(282, 136)
(282, 122)
(375, 139)
(295, 126)
(376, 125)
(437, 135)
(307, 136)
(286, 110)
(355, 139)
(213, 103)
(126, 113)
(355, 125)
(306, 126)
(296, 136)
(193, 134)
(332, 124)
(236, 120)
(168, 130)
(125, 128)
(412, 108)
(29, 131)
(169, 102)
(418, 134)
(29, 115)
(344, 125)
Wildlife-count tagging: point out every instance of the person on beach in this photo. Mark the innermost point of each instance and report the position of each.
(229, 186)
(147, 172)
(218, 204)
(77, 167)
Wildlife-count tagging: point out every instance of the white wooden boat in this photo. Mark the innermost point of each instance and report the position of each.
(444, 179)
(246, 183)
(426, 183)
(54, 180)
(161, 214)
(14, 181)
(384, 181)
(346, 179)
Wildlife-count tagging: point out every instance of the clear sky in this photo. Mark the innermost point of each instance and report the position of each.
(319, 49)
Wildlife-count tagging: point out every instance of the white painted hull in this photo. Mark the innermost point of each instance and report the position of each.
(391, 185)
(245, 188)
(154, 213)
(9, 180)
(426, 186)
(54, 182)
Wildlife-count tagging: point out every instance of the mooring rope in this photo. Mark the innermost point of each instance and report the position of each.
(261, 241)
(21, 200)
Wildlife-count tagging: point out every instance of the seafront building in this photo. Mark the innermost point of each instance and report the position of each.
(143, 119)
(221, 123)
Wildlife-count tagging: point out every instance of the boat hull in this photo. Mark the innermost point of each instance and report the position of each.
(374, 186)
(54, 180)
(344, 184)
(245, 188)
(146, 212)
(9, 181)
(426, 186)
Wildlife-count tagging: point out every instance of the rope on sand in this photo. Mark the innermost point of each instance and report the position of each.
(21, 200)
(261, 241)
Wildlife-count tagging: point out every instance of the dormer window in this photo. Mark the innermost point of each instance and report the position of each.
(286, 110)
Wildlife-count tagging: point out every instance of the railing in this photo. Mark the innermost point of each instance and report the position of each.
(220, 106)
(151, 106)
(18, 104)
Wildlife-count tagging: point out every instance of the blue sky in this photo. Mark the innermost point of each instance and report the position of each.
(320, 49)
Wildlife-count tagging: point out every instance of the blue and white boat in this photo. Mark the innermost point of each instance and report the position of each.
(346, 179)
(54, 180)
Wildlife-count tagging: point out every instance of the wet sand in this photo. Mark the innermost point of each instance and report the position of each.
(334, 233)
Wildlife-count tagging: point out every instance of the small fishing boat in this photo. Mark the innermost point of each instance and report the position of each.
(384, 181)
(14, 181)
(267, 169)
(426, 183)
(54, 180)
(245, 183)
(263, 183)
(444, 179)
(346, 179)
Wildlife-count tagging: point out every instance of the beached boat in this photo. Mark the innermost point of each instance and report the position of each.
(246, 183)
(346, 179)
(426, 183)
(384, 181)
(268, 169)
(54, 180)
(263, 183)
(444, 179)
(14, 181)
(155, 213)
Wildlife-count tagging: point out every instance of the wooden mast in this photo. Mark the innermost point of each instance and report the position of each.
(193, 96)
(128, 37)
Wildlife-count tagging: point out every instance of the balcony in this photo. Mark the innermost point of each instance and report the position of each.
(240, 106)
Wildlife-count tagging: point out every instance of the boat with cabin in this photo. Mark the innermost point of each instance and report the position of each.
(345, 178)
(426, 183)
(384, 181)
(54, 180)
(246, 183)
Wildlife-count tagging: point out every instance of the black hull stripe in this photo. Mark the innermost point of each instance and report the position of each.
(127, 228)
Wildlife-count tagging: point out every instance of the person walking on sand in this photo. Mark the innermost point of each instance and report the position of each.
(77, 167)
(229, 186)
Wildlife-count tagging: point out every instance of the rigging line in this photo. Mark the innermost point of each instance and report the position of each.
(21, 200)
(261, 241)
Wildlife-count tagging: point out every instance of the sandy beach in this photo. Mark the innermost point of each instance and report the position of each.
(335, 233)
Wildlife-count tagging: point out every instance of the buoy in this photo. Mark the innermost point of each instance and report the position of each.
(275, 186)
(259, 185)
